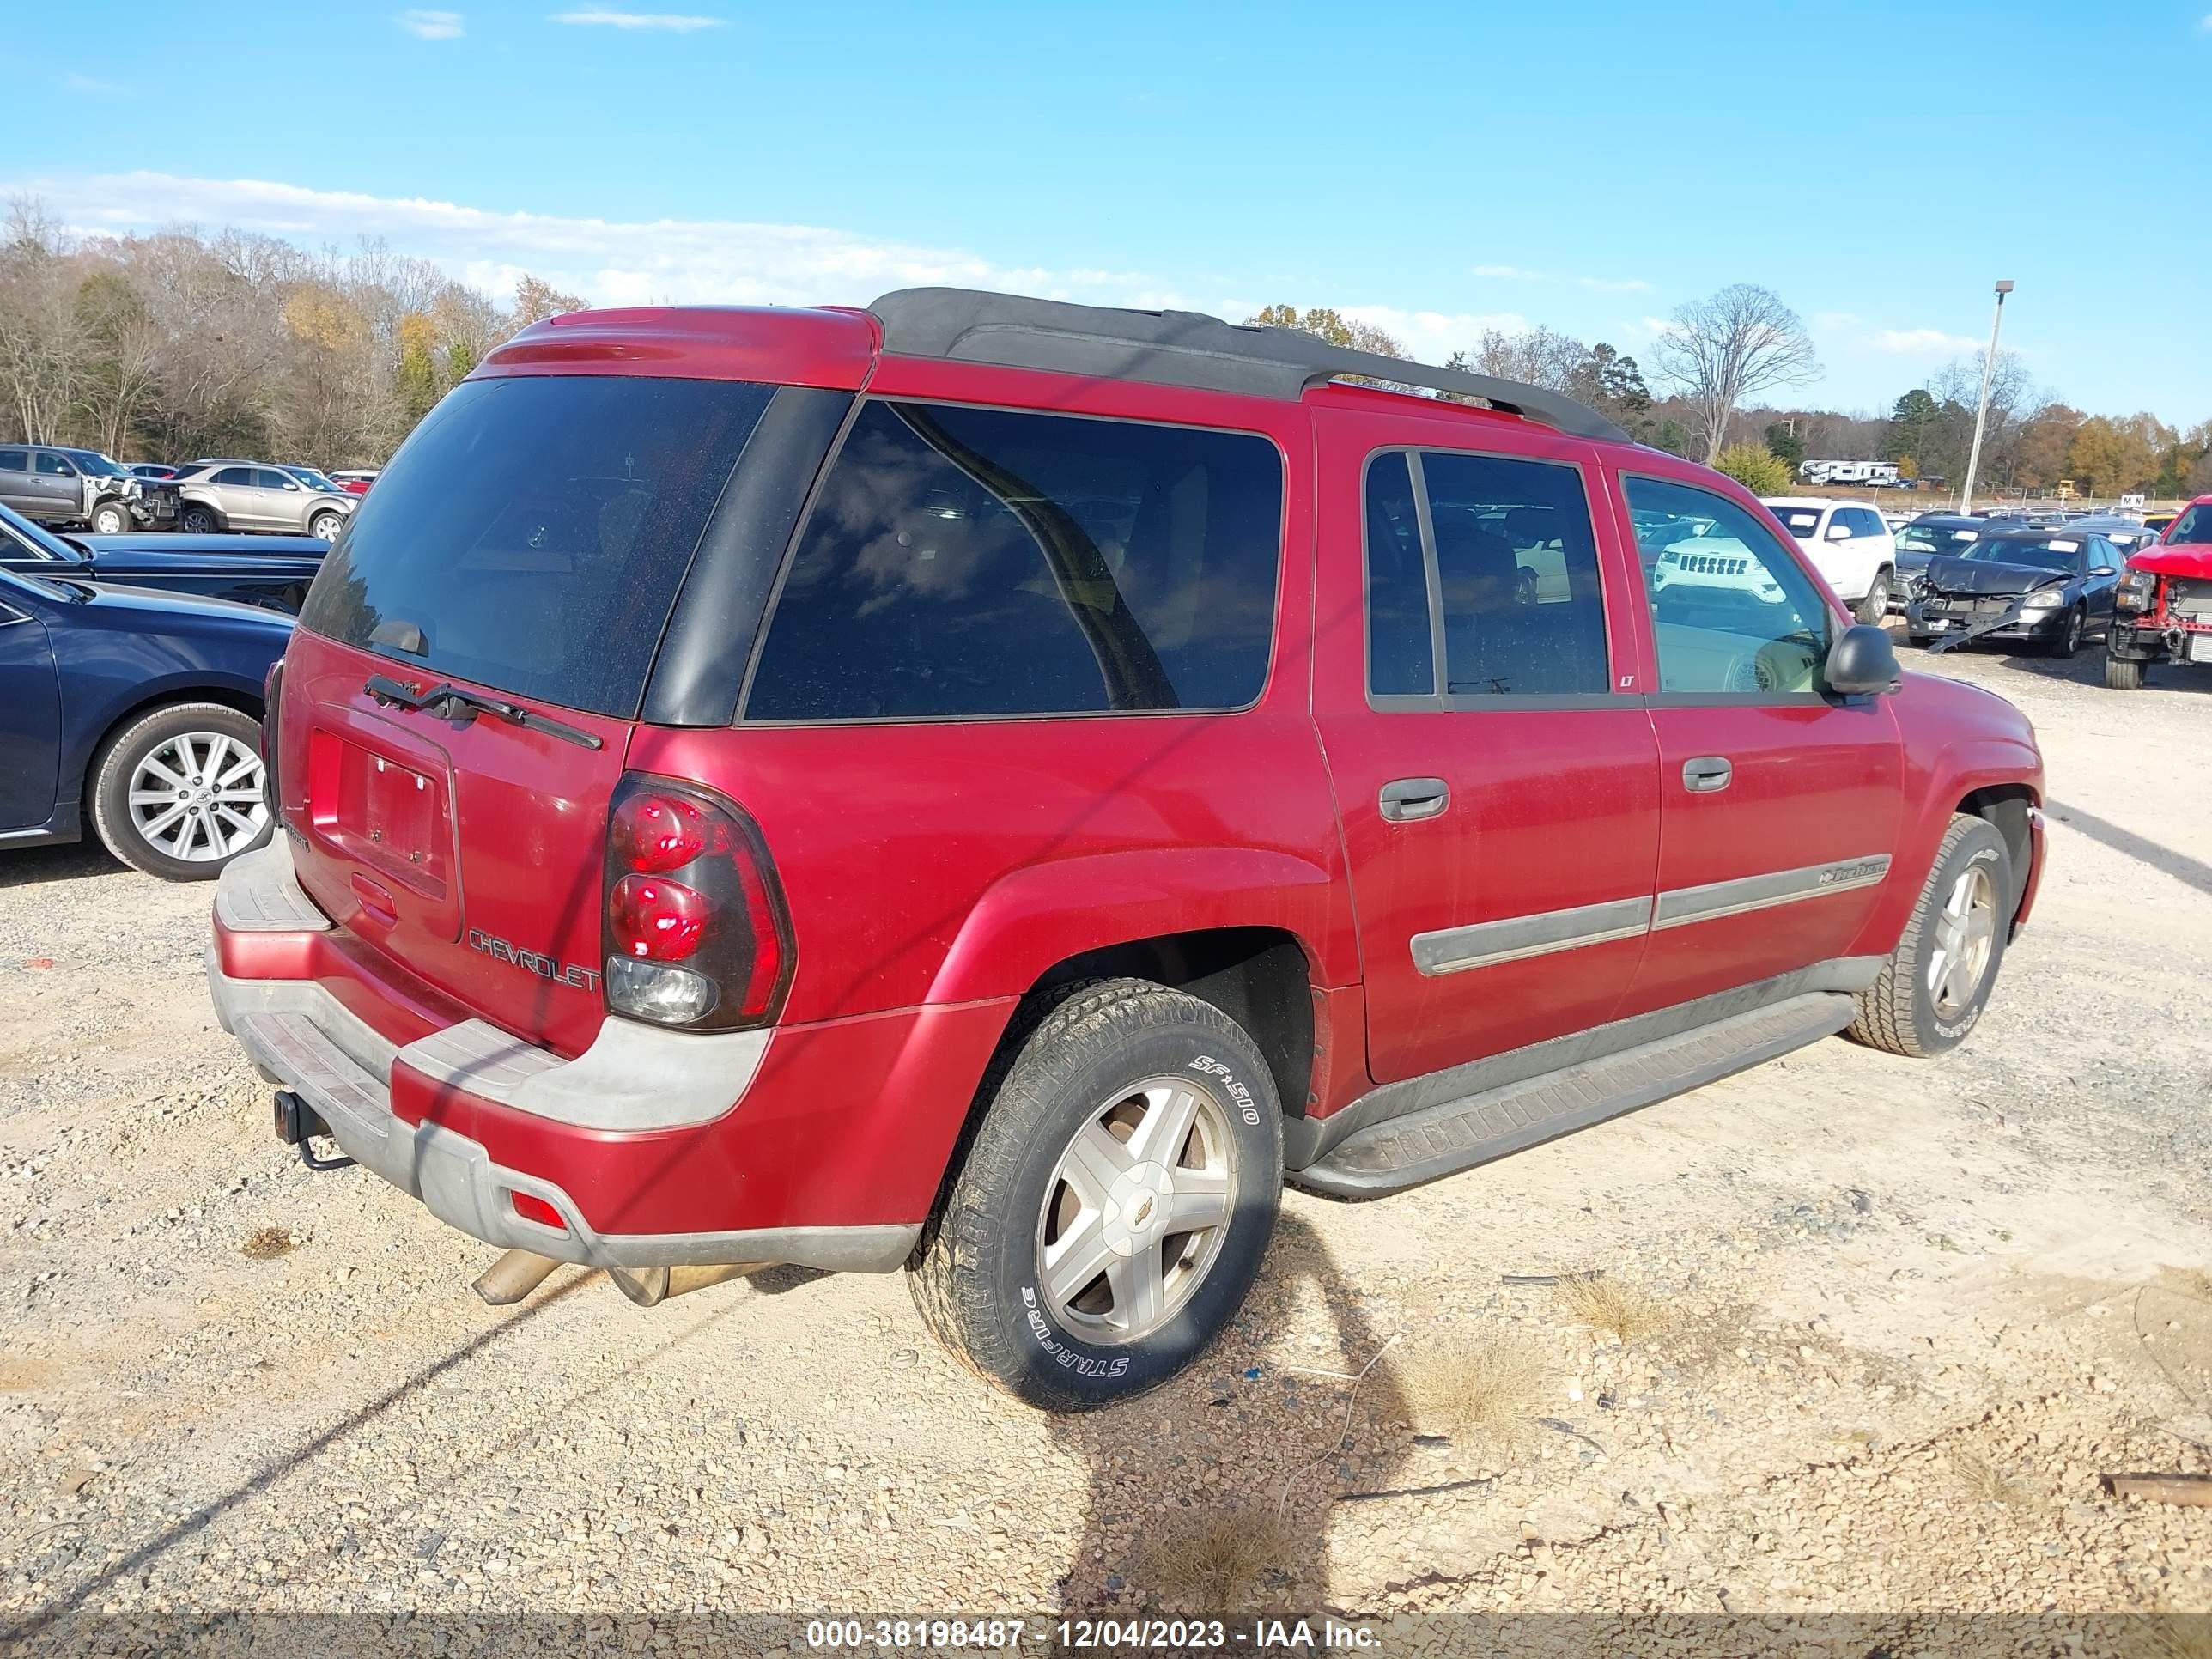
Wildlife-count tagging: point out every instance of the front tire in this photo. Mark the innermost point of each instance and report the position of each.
(2123, 674)
(177, 793)
(1056, 1267)
(109, 519)
(197, 522)
(326, 525)
(2069, 637)
(1932, 990)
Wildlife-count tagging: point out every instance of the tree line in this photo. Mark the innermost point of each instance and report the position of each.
(182, 343)
(177, 344)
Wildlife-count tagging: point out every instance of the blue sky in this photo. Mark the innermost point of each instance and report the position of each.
(1433, 168)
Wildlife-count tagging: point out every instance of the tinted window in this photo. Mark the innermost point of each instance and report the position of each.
(1401, 651)
(1802, 522)
(536, 531)
(272, 480)
(15, 461)
(1865, 521)
(1730, 610)
(233, 474)
(2195, 524)
(1517, 570)
(976, 561)
(53, 465)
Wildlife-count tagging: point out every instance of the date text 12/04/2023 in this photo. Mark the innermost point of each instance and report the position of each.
(1112, 1635)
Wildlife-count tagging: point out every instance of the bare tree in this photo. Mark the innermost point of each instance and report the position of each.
(1721, 350)
(1540, 357)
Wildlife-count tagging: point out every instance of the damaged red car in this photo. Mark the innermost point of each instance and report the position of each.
(2162, 611)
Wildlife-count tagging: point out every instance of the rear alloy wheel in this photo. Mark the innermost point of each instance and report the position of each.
(2069, 636)
(178, 792)
(1113, 1208)
(1932, 990)
(1875, 606)
(109, 519)
(197, 522)
(326, 525)
(2123, 674)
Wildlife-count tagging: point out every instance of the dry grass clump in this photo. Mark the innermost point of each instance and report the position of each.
(2177, 1636)
(1215, 1559)
(267, 1243)
(1475, 1391)
(1984, 1482)
(1613, 1306)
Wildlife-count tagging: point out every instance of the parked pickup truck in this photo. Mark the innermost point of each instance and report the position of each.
(997, 787)
(2163, 608)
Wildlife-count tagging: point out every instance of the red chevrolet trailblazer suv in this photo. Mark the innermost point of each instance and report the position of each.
(996, 786)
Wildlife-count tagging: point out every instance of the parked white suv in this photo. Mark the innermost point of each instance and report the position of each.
(1848, 543)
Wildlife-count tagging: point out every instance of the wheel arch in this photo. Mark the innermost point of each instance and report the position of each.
(165, 693)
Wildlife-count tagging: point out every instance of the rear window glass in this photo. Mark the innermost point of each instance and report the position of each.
(970, 563)
(535, 531)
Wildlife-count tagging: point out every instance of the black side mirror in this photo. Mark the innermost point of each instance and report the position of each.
(1863, 663)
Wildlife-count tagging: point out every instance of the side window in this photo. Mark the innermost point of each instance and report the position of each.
(233, 474)
(1401, 651)
(269, 479)
(970, 563)
(1516, 574)
(1865, 521)
(1730, 610)
(15, 461)
(52, 466)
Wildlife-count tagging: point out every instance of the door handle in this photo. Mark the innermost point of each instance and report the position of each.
(1408, 800)
(1707, 774)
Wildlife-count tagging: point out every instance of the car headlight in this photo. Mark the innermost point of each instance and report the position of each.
(2135, 591)
(2049, 600)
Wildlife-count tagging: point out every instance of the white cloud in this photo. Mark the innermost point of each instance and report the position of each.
(1596, 284)
(601, 18)
(610, 262)
(1429, 337)
(1923, 341)
(432, 25)
(2205, 26)
(86, 83)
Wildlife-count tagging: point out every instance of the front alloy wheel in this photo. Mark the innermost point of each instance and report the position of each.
(2069, 635)
(1875, 606)
(1932, 988)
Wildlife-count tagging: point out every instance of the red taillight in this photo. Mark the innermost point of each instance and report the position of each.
(538, 1210)
(696, 933)
(654, 918)
(653, 833)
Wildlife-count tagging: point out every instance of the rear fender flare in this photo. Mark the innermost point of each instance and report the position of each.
(1034, 917)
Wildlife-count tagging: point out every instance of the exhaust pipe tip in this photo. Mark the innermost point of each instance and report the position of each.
(512, 1277)
(648, 1287)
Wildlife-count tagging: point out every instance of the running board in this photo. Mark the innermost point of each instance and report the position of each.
(1458, 1134)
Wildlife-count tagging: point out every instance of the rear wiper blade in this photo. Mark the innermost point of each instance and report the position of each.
(449, 701)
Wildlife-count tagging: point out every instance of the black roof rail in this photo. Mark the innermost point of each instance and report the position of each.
(1181, 348)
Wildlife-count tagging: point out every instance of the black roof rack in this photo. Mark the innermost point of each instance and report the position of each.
(1181, 348)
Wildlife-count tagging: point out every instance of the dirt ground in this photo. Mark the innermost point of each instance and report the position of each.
(1869, 1331)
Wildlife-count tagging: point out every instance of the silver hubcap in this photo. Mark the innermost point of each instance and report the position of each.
(1966, 930)
(198, 797)
(1135, 1214)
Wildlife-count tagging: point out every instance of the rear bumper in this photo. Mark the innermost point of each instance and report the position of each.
(819, 1145)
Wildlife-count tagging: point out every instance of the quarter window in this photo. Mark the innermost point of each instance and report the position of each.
(15, 461)
(970, 563)
(1730, 610)
(1510, 579)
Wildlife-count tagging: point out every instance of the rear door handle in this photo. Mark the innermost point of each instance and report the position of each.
(1707, 774)
(1408, 800)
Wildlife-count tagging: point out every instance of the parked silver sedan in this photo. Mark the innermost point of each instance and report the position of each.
(221, 496)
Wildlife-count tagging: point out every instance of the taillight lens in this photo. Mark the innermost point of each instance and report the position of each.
(695, 930)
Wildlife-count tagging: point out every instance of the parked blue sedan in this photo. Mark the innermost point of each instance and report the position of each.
(271, 571)
(138, 711)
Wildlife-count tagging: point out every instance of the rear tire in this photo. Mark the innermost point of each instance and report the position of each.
(1876, 605)
(2123, 674)
(1933, 988)
(205, 748)
(1069, 1116)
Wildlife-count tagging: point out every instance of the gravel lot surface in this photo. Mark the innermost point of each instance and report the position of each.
(1886, 1324)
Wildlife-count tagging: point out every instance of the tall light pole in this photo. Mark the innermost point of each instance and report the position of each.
(1982, 410)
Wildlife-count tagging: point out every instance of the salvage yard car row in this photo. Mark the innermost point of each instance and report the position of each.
(64, 486)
